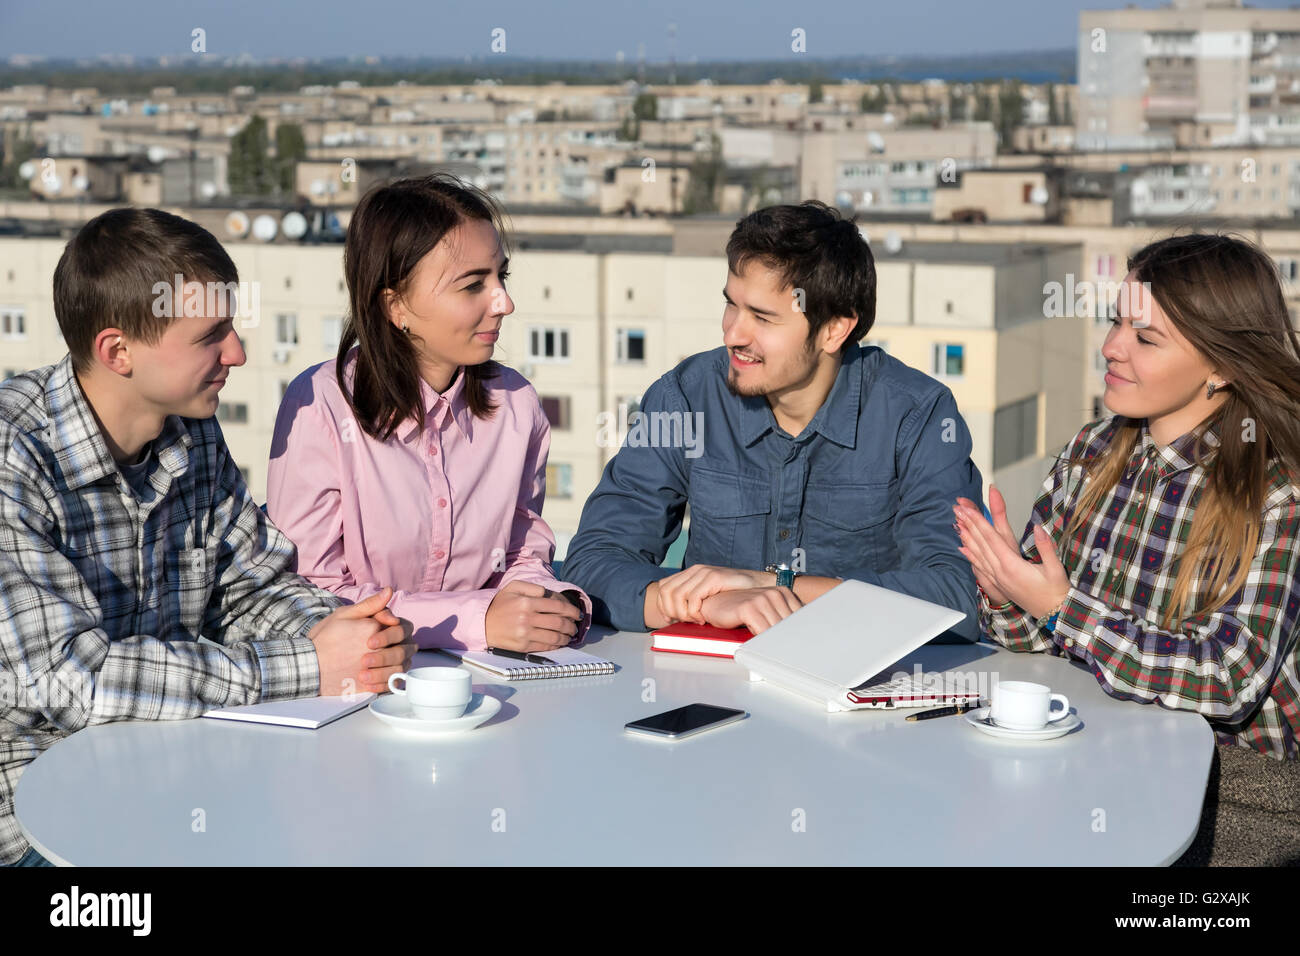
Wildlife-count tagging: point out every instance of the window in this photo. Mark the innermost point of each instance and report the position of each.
(331, 331)
(1015, 432)
(559, 481)
(556, 408)
(548, 344)
(235, 413)
(286, 329)
(631, 345)
(1287, 268)
(1105, 266)
(13, 323)
(949, 361)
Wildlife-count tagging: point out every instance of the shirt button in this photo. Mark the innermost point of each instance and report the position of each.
(442, 502)
(433, 449)
(1069, 642)
(785, 533)
(440, 554)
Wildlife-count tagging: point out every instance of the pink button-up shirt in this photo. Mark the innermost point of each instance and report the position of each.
(446, 518)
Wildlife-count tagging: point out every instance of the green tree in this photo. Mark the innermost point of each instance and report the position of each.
(645, 106)
(17, 153)
(290, 150)
(816, 93)
(249, 166)
(707, 175)
(1011, 109)
(1053, 114)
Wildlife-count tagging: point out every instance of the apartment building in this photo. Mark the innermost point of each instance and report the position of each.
(1193, 73)
(594, 327)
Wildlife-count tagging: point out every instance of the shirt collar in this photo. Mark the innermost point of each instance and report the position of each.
(78, 445)
(1182, 453)
(836, 420)
(437, 406)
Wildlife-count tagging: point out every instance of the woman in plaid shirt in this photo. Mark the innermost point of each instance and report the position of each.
(1164, 550)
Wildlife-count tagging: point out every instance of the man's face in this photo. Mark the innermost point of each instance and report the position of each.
(183, 372)
(766, 334)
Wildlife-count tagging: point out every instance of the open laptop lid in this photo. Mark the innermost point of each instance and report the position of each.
(852, 632)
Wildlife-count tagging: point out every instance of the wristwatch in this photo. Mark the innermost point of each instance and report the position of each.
(784, 575)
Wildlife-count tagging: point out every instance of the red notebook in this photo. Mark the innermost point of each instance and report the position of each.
(705, 639)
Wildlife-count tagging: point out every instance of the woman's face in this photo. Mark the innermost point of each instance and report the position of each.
(455, 301)
(1153, 372)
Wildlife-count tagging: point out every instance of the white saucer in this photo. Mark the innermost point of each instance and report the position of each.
(396, 710)
(980, 720)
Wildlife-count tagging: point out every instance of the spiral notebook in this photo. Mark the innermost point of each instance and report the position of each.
(567, 662)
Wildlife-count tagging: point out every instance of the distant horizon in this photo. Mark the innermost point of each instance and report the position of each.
(724, 31)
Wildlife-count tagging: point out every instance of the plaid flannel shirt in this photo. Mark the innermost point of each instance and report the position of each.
(1239, 666)
(103, 596)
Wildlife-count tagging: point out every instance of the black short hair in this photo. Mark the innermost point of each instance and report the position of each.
(812, 247)
(107, 274)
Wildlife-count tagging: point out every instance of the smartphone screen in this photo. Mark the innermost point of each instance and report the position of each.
(685, 720)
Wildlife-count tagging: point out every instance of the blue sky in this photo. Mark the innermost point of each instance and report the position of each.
(584, 29)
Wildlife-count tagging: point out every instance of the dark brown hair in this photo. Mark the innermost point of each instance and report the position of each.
(1223, 295)
(811, 247)
(393, 227)
(107, 275)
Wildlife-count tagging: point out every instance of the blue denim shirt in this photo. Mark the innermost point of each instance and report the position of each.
(865, 491)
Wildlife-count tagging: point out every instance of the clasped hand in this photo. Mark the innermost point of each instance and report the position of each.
(725, 597)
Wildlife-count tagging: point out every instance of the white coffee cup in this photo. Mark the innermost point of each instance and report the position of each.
(1020, 705)
(435, 693)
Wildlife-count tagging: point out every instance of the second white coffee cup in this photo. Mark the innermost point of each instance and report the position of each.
(1020, 705)
(435, 693)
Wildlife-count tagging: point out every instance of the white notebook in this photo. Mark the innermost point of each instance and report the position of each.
(834, 644)
(309, 712)
(567, 662)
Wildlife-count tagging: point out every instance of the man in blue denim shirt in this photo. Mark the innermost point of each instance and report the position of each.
(795, 448)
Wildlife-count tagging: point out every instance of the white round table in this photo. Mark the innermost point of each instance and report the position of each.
(554, 779)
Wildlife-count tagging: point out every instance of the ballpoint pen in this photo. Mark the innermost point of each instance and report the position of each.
(941, 712)
(519, 656)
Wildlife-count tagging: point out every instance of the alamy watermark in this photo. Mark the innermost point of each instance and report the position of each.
(651, 430)
(242, 300)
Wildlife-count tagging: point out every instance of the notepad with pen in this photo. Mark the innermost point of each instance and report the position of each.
(560, 662)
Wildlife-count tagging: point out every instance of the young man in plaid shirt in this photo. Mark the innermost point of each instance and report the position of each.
(126, 530)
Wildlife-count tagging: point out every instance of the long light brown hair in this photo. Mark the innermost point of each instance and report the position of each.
(1224, 296)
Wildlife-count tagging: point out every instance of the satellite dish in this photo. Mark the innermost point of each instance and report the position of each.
(207, 190)
(54, 185)
(1038, 195)
(294, 225)
(80, 183)
(893, 242)
(876, 142)
(264, 228)
(27, 170)
(844, 199)
(318, 187)
(156, 154)
(868, 197)
(237, 224)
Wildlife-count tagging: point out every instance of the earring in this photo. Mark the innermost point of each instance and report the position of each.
(1210, 387)
(406, 328)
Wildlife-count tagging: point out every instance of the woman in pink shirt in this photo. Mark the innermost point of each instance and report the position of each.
(413, 460)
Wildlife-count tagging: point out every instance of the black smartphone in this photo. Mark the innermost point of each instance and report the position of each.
(684, 721)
